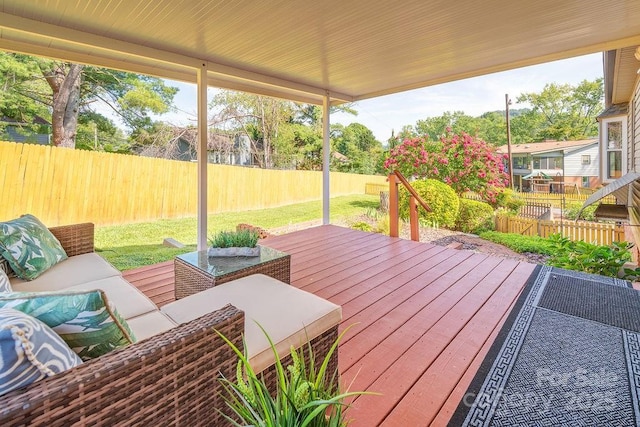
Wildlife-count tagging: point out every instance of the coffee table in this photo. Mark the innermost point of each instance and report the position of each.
(197, 271)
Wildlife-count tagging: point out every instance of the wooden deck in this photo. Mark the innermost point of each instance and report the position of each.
(424, 315)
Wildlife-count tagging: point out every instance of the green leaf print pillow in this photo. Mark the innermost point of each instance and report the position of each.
(29, 247)
(85, 320)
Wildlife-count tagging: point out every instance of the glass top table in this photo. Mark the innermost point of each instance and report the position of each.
(197, 271)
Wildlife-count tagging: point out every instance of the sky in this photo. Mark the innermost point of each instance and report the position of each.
(472, 96)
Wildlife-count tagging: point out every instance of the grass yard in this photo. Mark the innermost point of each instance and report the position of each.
(134, 245)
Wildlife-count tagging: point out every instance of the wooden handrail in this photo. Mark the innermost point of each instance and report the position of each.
(414, 200)
(412, 190)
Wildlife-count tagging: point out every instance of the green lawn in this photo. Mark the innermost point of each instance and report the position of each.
(134, 245)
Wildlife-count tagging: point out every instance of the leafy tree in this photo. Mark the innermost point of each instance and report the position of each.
(564, 112)
(20, 90)
(561, 112)
(259, 117)
(359, 145)
(66, 93)
(312, 114)
(457, 121)
(299, 146)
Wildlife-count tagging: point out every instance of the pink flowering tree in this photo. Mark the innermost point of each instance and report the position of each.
(462, 161)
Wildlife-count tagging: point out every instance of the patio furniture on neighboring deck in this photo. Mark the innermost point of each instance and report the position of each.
(197, 271)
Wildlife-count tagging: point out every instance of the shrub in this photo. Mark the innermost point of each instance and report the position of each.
(474, 216)
(519, 243)
(362, 226)
(589, 214)
(441, 198)
(508, 199)
(383, 226)
(582, 256)
(464, 162)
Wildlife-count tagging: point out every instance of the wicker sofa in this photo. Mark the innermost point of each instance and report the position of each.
(167, 378)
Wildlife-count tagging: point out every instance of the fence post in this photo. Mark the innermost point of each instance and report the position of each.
(394, 217)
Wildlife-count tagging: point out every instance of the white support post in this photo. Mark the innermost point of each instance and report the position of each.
(326, 159)
(202, 157)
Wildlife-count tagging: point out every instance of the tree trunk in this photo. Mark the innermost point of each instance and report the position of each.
(65, 84)
(384, 201)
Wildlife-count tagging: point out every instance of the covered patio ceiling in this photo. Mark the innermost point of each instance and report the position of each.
(351, 50)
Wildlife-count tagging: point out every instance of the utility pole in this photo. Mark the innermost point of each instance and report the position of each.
(508, 102)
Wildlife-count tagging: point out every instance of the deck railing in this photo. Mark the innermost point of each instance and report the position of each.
(394, 212)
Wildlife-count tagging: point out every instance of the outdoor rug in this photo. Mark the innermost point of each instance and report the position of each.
(568, 354)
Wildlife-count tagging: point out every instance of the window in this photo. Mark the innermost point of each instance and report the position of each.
(547, 163)
(614, 143)
(585, 179)
(520, 162)
(586, 160)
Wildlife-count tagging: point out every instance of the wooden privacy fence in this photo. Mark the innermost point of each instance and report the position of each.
(375, 188)
(64, 186)
(601, 234)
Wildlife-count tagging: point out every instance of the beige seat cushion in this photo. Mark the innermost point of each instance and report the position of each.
(287, 313)
(150, 324)
(70, 272)
(129, 301)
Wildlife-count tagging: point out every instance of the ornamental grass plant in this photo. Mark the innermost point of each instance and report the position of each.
(307, 394)
(234, 239)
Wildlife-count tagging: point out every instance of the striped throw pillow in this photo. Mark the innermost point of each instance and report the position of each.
(30, 351)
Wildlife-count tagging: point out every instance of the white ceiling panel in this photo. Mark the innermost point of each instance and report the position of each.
(300, 49)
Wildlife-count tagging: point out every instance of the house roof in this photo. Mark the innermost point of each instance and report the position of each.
(620, 74)
(547, 146)
(615, 110)
(305, 50)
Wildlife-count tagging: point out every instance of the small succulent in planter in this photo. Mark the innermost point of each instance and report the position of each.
(234, 243)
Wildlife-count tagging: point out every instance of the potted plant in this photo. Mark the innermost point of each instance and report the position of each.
(307, 394)
(234, 243)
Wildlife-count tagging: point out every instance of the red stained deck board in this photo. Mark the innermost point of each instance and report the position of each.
(427, 314)
(357, 247)
(449, 407)
(148, 271)
(391, 293)
(402, 326)
(321, 260)
(407, 369)
(423, 402)
(311, 238)
(328, 270)
(151, 282)
(344, 280)
(404, 268)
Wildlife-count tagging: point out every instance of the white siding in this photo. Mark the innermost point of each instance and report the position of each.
(573, 161)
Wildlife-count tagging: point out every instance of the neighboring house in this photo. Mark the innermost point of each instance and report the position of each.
(14, 131)
(574, 163)
(221, 149)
